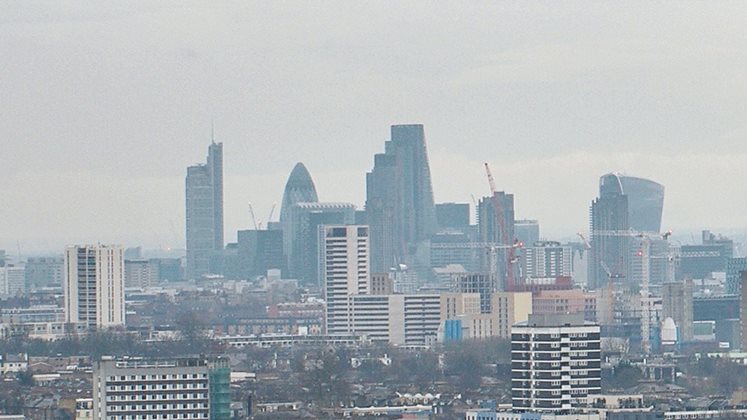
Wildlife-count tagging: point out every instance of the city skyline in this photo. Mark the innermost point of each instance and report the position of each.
(532, 95)
(262, 209)
(414, 210)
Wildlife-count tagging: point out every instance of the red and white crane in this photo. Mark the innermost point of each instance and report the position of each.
(505, 241)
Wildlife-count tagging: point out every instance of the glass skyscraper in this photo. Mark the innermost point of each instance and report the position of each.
(625, 203)
(204, 218)
(645, 199)
(298, 189)
(399, 198)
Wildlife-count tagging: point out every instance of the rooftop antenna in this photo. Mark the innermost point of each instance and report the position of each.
(212, 130)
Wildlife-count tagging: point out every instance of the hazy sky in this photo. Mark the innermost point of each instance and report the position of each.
(103, 105)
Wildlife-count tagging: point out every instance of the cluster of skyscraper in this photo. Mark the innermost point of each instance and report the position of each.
(399, 210)
(422, 246)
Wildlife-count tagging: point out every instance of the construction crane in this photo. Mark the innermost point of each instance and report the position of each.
(610, 291)
(644, 254)
(504, 239)
(272, 210)
(587, 246)
(254, 219)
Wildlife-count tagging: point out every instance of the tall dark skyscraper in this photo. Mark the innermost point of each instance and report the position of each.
(453, 216)
(204, 218)
(399, 198)
(489, 231)
(609, 254)
(298, 189)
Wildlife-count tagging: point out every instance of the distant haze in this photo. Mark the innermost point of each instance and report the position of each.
(104, 105)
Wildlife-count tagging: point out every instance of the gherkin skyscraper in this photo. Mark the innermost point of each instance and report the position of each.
(298, 189)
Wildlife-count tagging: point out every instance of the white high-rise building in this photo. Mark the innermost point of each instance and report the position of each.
(555, 363)
(344, 253)
(94, 285)
(547, 259)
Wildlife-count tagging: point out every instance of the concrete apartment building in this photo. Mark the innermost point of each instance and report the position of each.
(555, 362)
(94, 285)
(344, 271)
(184, 388)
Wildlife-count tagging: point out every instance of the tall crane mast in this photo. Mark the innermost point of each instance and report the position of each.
(254, 219)
(506, 241)
(644, 254)
(610, 292)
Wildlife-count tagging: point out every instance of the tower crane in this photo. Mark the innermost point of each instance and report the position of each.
(254, 219)
(272, 210)
(504, 239)
(610, 291)
(644, 254)
(587, 246)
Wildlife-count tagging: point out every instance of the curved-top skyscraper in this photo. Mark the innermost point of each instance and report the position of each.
(298, 189)
(645, 199)
(624, 203)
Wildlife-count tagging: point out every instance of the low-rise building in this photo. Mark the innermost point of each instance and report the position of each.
(14, 363)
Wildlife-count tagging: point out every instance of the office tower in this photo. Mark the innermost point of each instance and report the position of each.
(344, 252)
(645, 199)
(677, 303)
(662, 260)
(259, 251)
(734, 268)
(2, 258)
(204, 218)
(399, 199)
(625, 203)
(712, 255)
(12, 281)
(45, 271)
(455, 248)
(183, 388)
(482, 283)
(608, 256)
(169, 269)
(527, 231)
(555, 363)
(547, 259)
(716, 307)
(298, 189)
(306, 218)
(497, 227)
(489, 226)
(94, 285)
(381, 284)
(453, 216)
